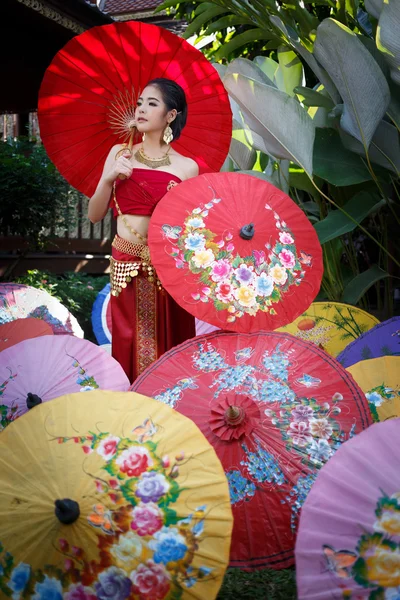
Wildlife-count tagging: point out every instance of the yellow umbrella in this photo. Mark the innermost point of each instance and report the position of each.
(114, 497)
(379, 379)
(331, 325)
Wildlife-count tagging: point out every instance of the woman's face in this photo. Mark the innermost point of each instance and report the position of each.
(151, 112)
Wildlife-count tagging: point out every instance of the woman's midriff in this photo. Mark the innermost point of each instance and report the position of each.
(138, 222)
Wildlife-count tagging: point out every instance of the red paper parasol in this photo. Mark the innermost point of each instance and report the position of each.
(90, 87)
(205, 262)
(22, 329)
(275, 409)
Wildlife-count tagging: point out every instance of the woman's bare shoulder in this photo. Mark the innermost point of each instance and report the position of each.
(187, 166)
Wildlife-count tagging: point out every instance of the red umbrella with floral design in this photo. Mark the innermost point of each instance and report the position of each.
(275, 409)
(236, 252)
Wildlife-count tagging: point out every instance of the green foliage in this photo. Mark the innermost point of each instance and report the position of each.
(34, 196)
(260, 585)
(77, 291)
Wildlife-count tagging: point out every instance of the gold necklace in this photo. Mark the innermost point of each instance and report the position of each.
(153, 163)
(125, 220)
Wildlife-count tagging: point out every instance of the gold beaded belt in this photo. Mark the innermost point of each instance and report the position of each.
(122, 272)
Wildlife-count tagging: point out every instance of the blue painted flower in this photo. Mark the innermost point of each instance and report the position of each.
(113, 584)
(168, 545)
(195, 222)
(231, 378)
(244, 274)
(319, 451)
(19, 579)
(392, 593)
(374, 398)
(207, 359)
(298, 495)
(240, 488)
(273, 391)
(264, 285)
(195, 241)
(49, 589)
(277, 363)
(263, 466)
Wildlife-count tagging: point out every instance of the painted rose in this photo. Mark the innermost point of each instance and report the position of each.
(151, 487)
(299, 431)
(113, 584)
(389, 521)
(383, 566)
(302, 413)
(168, 545)
(150, 581)
(126, 551)
(287, 259)
(146, 518)
(246, 295)
(195, 222)
(278, 274)
(134, 461)
(285, 238)
(321, 428)
(77, 591)
(48, 589)
(203, 258)
(319, 451)
(195, 241)
(19, 578)
(264, 285)
(220, 269)
(224, 291)
(244, 274)
(108, 447)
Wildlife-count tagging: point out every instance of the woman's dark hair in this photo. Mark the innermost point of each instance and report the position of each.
(174, 98)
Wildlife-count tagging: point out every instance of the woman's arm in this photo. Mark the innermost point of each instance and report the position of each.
(98, 203)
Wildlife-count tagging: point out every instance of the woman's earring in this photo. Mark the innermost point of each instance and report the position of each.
(168, 136)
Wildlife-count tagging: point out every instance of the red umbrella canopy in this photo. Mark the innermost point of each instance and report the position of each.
(275, 409)
(89, 92)
(236, 252)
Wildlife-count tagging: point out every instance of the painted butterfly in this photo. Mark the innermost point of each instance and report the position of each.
(171, 232)
(101, 518)
(308, 381)
(339, 561)
(145, 431)
(305, 259)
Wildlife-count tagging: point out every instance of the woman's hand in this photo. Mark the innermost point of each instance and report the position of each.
(122, 168)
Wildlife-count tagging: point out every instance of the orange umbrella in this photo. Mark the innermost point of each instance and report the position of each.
(22, 329)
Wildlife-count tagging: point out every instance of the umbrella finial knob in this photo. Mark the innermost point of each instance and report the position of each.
(67, 511)
(32, 400)
(234, 416)
(247, 231)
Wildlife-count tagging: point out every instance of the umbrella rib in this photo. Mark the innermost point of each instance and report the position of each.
(85, 89)
(96, 32)
(78, 68)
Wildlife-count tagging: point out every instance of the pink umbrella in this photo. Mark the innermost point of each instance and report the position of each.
(44, 368)
(18, 301)
(348, 545)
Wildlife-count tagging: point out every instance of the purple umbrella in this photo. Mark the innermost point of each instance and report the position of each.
(381, 340)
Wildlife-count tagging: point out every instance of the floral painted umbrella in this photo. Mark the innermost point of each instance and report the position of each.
(348, 545)
(275, 409)
(117, 497)
(40, 369)
(331, 325)
(18, 301)
(22, 329)
(235, 252)
(381, 340)
(379, 379)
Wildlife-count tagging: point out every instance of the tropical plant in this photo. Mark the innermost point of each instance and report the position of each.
(318, 115)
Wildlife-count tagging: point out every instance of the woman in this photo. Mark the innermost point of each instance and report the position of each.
(145, 319)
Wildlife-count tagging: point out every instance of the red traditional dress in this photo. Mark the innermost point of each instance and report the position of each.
(146, 321)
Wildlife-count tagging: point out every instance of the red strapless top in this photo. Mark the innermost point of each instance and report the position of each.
(140, 194)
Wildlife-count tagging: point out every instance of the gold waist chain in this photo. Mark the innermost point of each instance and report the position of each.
(122, 272)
